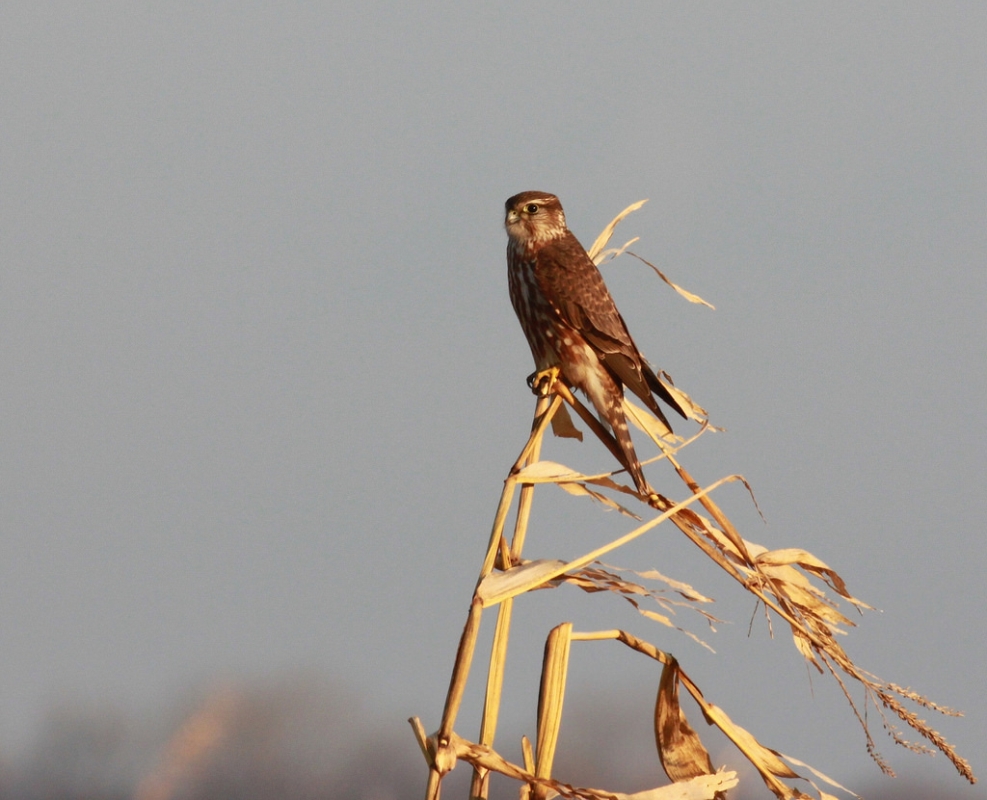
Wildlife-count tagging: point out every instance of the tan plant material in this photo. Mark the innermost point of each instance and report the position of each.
(563, 426)
(703, 787)
(681, 752)
(792, 584)
(692, 298)
(551, 695)
(600, 255)
(595, 251)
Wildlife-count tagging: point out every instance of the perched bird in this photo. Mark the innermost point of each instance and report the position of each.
(570, 319)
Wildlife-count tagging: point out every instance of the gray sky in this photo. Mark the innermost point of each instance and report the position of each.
(261, 380)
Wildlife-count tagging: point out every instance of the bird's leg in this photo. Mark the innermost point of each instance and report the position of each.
(541, 382)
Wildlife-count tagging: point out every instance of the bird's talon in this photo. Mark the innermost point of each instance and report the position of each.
(542, 381)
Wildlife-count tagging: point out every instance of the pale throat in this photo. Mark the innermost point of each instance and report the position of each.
(526, 238)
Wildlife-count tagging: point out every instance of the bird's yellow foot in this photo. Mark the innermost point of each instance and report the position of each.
(542, 382)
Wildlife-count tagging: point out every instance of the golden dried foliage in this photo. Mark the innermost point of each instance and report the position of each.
(792, 584)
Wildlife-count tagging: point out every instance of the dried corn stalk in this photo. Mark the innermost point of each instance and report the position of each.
(791, 582)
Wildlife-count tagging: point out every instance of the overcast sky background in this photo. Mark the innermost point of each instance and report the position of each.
(260, 379)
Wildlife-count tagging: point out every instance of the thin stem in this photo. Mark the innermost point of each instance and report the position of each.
(545, 408)
(460, 671)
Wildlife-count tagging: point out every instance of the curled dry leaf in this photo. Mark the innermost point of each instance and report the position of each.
(681, 752)
(563, 427)
(551, 696)
(808, 562)
(596, 250)
(766, 761)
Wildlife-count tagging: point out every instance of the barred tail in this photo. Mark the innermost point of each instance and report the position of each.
(607, 397)
(617, 420)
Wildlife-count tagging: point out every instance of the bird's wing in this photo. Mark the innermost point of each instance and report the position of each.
(574, 285)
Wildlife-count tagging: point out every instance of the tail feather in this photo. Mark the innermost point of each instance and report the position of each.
(658, 388)
(618, 422)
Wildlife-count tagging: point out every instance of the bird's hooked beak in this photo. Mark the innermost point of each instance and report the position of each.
(512, 218)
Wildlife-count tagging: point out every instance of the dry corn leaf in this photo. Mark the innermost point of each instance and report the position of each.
(666, 621)
(692, 298)
(610, 578)
(809, 600)
(704, 787)
(821, 776)
(683, 589)
(727, 548)
(609, 483)
(562, 425)
(692, 408)
(551, 696)
(729, 543)
(547, 472)
(582, 561)
(613, 252)
(766, 761)
(574, 483)
(804, 646)
(593, 579)
(647, 422)
(498, 586)
(596, 250)
(531, 575)
(654, 615)
(809, 563)
(576, 488)
(681, 752)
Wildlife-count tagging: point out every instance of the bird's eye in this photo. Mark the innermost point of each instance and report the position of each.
(531, 208)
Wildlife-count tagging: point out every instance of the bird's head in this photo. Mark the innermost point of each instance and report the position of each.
(534, 218)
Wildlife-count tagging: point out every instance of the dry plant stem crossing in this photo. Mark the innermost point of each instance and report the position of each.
(480, 785)
(544, 410)
(780, 579)
(663, 504)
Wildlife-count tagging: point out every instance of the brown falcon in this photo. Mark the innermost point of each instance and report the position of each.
(570, 319)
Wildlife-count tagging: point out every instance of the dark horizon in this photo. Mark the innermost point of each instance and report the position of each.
(300, 737)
